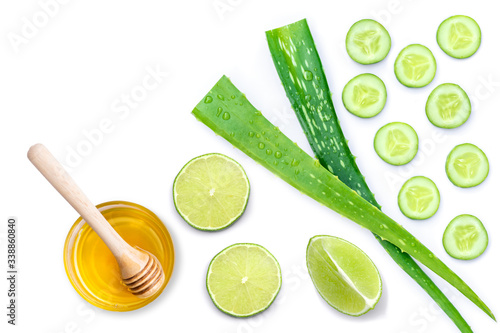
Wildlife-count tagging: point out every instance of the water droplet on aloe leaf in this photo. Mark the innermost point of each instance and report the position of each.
(308, 76)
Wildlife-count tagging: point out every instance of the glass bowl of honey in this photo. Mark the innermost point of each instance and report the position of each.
(91, 267)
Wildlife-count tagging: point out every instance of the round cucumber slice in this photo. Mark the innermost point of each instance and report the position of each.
(448, 106)
(415, 66)
(465, 237)
(467, 165)
(419, 198)
(396, 143)
(365, 95)
(367, 42)
(459, 36)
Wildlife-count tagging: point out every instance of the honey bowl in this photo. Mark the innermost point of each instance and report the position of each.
(92, 268)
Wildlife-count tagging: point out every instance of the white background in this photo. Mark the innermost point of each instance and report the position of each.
(69, 75)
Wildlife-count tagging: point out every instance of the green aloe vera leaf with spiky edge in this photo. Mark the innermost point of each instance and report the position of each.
(229, 113)
(293, 51)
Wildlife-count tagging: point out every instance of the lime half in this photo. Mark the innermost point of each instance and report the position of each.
(343, 274)
(211, 191)
(243, 279)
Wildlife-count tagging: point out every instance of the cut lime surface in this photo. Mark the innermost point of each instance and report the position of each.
(343, 274)
(243, 279)
(211, 192)
(419, 198)
(465, 237)
(467, 165)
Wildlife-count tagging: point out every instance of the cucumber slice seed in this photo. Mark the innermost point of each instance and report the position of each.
(396, 143)
(367, 42)
(415, 66)
(459, 36)
(364, 95)
(465, 237)
(467, 165)
(448, 106)
(419, 198)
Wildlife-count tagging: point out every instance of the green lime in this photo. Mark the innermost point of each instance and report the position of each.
(211, 191)
(343, 274)
(243, 279)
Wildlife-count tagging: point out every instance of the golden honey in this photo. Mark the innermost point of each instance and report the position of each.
(91, 267)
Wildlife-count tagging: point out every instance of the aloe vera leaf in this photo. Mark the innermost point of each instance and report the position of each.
(229, 113)
(294, 52)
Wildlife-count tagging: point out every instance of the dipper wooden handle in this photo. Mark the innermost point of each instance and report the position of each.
(140, 270)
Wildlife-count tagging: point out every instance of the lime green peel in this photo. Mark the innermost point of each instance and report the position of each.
(247, 129)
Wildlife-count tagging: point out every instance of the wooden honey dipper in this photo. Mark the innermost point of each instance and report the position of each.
(140, 270)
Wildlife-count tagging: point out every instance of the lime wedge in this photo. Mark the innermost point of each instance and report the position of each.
(343, 274)
(243, 279)
(211, 192)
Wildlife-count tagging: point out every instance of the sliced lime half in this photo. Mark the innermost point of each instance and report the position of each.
(243, 279)
(343, 274)
(211, 191)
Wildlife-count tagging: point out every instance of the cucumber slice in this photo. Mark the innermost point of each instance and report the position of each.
(448, 106)
(365, 95)
(415, 66)
(419, 198)
(465, 237)
(367, 42)
(459, 36)
(396, 143)
(467, 165)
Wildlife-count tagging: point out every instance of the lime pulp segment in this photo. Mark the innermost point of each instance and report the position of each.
(467, 165)
(396, 143)
(415, 66)
(459, 36)
(243, 279)
(367, 42)
(448, 106)
(419, 198)
(465, 237)
(343, 275)
(364, 95)
(211, 191)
